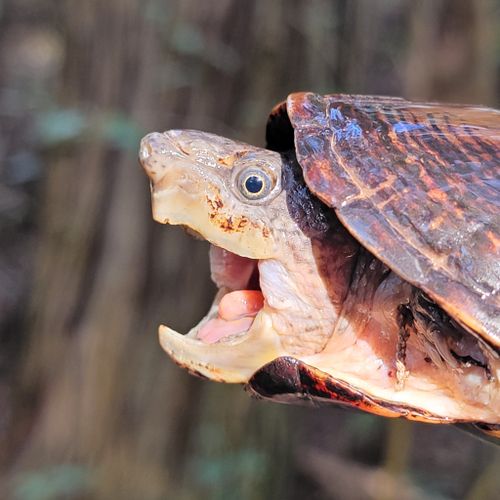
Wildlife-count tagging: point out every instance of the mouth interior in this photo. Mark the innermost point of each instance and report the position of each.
(238, 301)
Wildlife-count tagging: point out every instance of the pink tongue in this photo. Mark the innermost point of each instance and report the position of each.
(236, 314)
(240, 304)
(217, 329)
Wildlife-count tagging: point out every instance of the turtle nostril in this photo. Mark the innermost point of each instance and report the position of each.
(158, 152)
(145, 150)
(148, 156)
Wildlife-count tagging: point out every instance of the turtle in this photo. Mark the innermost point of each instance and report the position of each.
(356, 256)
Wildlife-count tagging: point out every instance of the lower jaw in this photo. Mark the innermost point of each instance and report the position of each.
(233, 359)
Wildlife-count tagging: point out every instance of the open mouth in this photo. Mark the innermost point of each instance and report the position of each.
(236, 337)
(237, 302)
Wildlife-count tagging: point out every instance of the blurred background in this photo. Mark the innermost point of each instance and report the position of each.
(90, 406)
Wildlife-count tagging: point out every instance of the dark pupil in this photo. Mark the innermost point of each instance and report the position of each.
(253, 184)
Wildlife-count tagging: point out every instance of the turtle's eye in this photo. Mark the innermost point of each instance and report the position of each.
(254, 184)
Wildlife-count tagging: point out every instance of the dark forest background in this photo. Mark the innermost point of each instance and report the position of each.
(90, 406)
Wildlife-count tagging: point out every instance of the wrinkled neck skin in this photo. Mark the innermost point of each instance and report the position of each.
(307, 283)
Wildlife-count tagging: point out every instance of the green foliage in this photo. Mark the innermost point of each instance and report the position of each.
(122, 131)
(61, 126)
(363, 426)
(53, 482)
(188, 39)
(230, 467)
(57, 126)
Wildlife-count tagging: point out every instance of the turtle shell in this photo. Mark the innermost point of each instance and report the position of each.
(417, 184)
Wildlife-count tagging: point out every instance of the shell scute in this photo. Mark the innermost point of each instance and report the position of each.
(416, 184)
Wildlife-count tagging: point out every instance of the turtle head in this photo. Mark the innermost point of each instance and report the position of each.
(230, 193)
(217, 187)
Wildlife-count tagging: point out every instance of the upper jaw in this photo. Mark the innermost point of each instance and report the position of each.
(191, 190)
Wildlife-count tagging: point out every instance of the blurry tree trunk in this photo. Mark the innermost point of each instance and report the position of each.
(97, 392)
(102, 394)
(105, 396)
(460, 35)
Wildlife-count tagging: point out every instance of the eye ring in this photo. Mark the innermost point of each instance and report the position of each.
(254, 184)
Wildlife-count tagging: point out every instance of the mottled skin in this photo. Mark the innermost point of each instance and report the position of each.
(358, 309)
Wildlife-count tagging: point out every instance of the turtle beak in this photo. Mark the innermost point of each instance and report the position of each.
(232, 361)
(158, 151)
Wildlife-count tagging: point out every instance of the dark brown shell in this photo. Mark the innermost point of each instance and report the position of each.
(416, 184)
